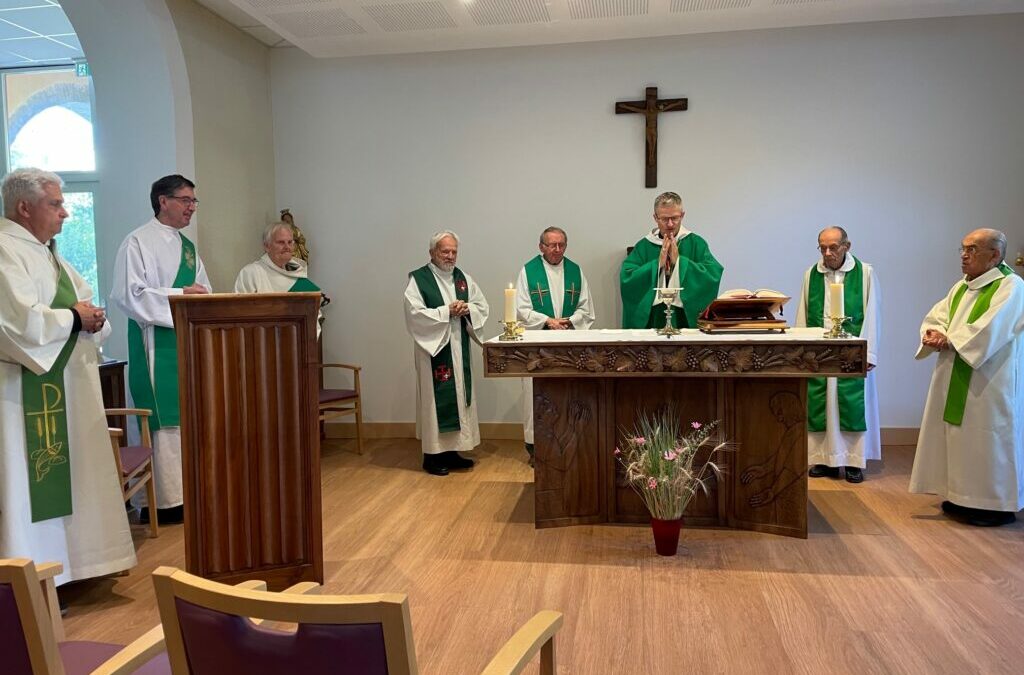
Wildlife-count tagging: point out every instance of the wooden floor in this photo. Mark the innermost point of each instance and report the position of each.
(884, 584)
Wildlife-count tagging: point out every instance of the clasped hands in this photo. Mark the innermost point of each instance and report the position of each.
(92, 317)
(458, 308)
(558, 324)
(934, 339)
(669, 253)
(195, 289)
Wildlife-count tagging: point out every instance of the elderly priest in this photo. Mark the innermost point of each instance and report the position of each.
(842, 414)
(60, 499)
(277, 270)
(444, 310)
(551, 294)
(670, 256)
(971, 447)
(155, 262)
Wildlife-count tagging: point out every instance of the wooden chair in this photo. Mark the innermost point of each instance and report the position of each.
(32, 634)
(341, 402)
(135, 462)
(209, 631)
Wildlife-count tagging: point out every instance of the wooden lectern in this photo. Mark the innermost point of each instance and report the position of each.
(248, 374)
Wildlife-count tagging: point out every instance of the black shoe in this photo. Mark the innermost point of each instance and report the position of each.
(456, 462)
(854, 474)
(952, 509)
(821, 471)
(434, 465)
(169, 516)
(62, 603)
(986, 518)
(530, 452)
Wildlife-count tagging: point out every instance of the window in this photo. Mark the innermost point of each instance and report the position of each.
(48, 124)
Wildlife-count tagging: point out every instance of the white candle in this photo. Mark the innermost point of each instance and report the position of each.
(510, 304)
(835, 301)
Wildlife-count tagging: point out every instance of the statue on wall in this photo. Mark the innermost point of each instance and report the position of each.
(301, 251)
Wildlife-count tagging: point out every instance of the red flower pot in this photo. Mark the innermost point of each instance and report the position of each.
(666, 535)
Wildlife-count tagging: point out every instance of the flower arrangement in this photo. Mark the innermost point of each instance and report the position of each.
(660, 460)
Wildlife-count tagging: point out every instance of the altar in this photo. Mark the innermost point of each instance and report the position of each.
(589, 386)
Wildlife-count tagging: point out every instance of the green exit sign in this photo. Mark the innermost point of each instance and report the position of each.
(82, 69)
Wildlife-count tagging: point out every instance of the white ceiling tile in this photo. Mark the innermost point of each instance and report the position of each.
(43, 20)
(264, 35)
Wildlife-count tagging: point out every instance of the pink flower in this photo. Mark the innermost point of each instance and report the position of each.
(617, 451)
(670, 455)
(696, 425)
(652, 483)
(639, 440)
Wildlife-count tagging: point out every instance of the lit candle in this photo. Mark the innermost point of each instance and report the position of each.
(835, 301)
(510, 304)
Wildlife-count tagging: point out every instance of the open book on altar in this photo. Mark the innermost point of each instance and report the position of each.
(742, 310)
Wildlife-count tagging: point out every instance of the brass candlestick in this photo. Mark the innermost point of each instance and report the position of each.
(837, 332)
(513, 331)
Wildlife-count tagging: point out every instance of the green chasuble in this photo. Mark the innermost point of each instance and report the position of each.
(540, 292)
(160, 394)
(442, 366)
(303, 285)
(699, 275)
(960, 378)
(849, 391)
(46, 424)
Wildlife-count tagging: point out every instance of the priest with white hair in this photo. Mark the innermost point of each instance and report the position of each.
(444, 312)
(970, 450)
(60, 498)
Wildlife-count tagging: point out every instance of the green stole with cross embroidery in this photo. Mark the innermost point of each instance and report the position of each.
(442, 367)
(960, 377)
(540, 290)
(159, 394)
(849, 391)
(46, 424)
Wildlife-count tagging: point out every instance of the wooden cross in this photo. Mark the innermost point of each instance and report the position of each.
(572, 292)
(650, 107)
(540, 292)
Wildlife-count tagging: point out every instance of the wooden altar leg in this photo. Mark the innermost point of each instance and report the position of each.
(569, 474)
(767, 481)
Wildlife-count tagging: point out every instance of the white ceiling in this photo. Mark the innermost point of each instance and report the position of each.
(34, 33)
(329, 28)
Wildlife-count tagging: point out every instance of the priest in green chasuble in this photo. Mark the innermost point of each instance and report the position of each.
(551, 294)
(445, 312)
(842, 414)
(60, 499)
(154, 262)
(971, 447)
(670, 256)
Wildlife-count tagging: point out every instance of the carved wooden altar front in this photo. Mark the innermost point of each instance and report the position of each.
(589, 386)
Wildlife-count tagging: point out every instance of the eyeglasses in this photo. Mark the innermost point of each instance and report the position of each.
(187, 201)
(665, 220)
(972, 250)
(556, 245)
(834, 248)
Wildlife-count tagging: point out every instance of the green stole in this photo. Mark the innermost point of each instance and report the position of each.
(849, 391)
(699, 274)
(46, 424)
(446, 403)
(540, 291)
(303, 285)
(960, 378)
(159, 394)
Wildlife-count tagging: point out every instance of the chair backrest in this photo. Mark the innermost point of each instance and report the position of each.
(27, 643)
(207, 629)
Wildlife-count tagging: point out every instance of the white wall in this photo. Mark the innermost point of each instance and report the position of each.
(229, 84)
(143, 125)
(906, 133)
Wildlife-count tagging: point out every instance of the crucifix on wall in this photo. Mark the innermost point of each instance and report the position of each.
(650, 107)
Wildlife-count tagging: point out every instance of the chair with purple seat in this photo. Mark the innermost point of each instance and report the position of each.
(340, 402)
(215, 629)
(32, 635)
(135, 462)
